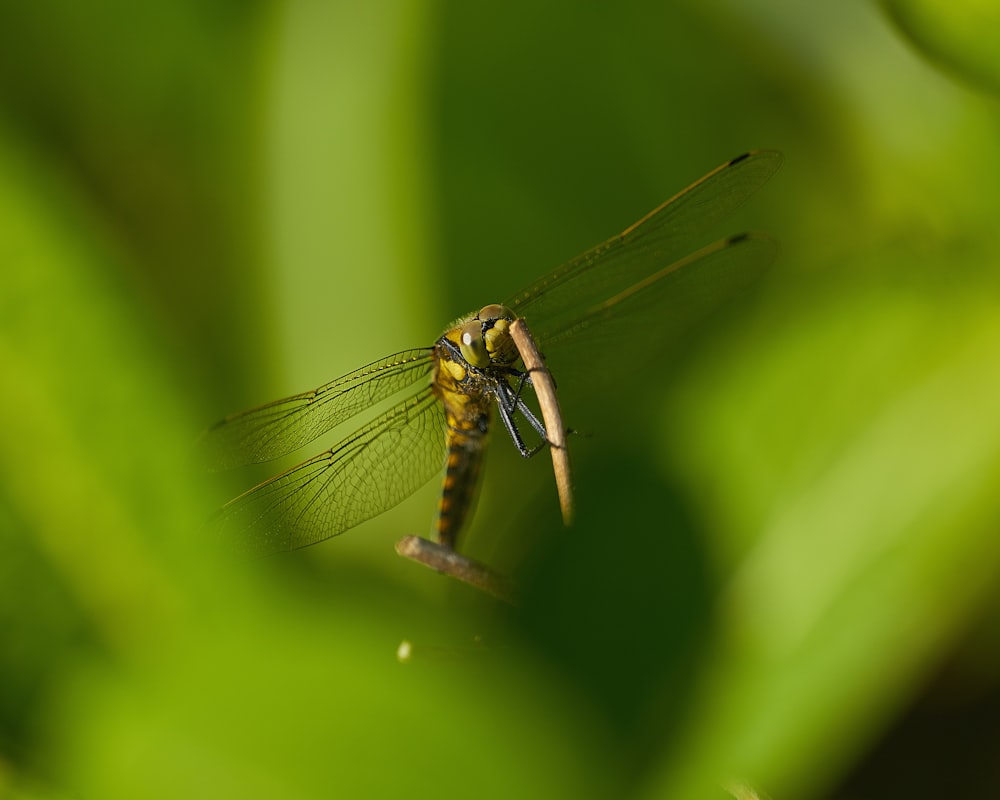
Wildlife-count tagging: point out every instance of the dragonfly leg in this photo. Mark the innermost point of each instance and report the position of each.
(512, 402)
(507, 417)
(524, 379)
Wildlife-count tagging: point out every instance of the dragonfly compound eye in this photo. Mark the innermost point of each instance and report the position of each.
(471, 344)
(496, 321)
(494, 311)
(499, 343)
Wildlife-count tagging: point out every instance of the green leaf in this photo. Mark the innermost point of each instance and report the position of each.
(962, 36)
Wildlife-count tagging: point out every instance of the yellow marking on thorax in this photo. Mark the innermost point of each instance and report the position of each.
(463, 405)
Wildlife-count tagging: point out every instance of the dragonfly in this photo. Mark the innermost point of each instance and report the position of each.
(611, 304)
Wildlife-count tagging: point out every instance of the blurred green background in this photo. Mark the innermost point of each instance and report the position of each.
(784, 571)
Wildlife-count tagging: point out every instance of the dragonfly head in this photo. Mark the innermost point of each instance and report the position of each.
(485, 339)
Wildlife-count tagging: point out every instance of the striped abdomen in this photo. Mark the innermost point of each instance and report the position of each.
(461, 481)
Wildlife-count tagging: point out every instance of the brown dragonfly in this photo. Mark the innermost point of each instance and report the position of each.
(616, 300)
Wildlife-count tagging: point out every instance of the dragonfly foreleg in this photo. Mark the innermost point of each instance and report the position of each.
(513, 402)
(509, 404)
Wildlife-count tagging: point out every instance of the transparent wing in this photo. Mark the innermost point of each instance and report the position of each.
(367, 473)
(276, 429)
(664, 236)
(626, 329)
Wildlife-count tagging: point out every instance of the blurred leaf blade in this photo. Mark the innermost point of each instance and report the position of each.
(964, 36)
(311, 715)
(72, 464)
(882, 549)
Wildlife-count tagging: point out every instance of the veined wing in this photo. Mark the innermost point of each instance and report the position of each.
(276, 429)
(664, 236)
(626, 329)
(367, 473)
